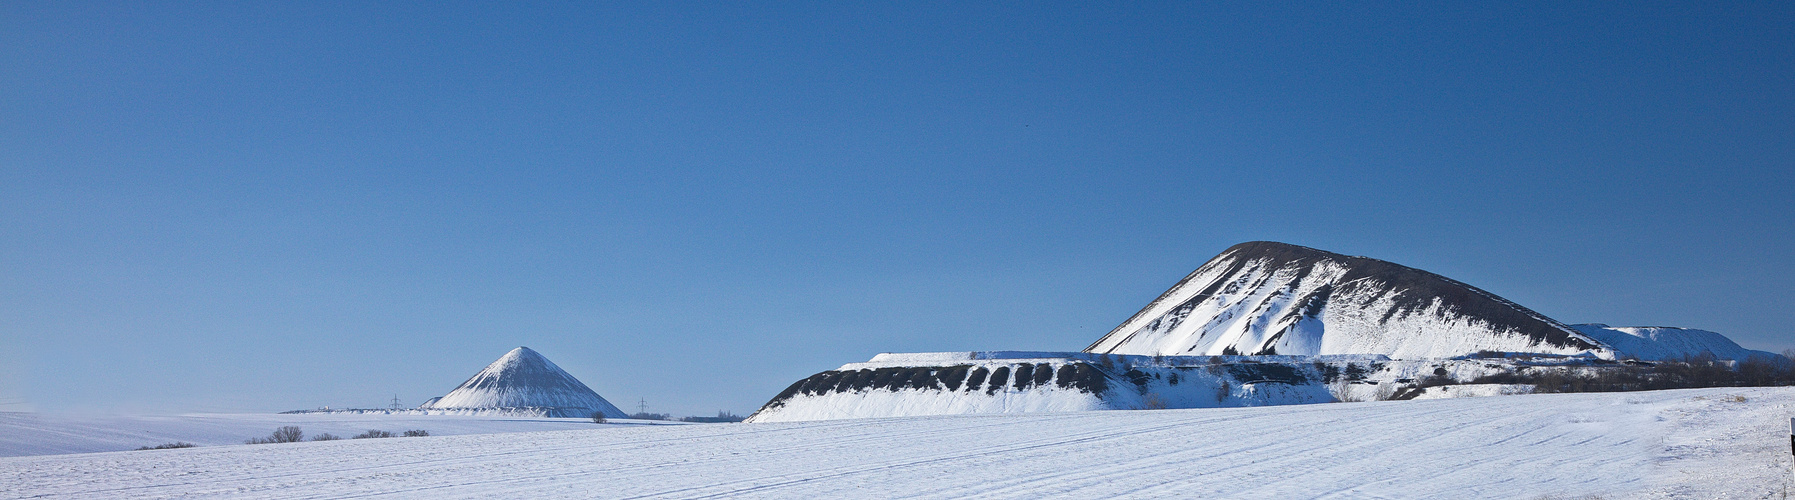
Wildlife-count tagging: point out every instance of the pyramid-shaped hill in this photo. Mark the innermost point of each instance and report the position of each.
(1266, 297)
(524, 382)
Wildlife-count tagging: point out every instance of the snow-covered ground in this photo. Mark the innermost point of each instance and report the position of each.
(35, 434)
(1698, 443)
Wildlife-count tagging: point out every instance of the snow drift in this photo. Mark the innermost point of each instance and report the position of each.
(523, 382)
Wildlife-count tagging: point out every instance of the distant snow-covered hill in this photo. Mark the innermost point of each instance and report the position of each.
(527, 383)
(1663, 343)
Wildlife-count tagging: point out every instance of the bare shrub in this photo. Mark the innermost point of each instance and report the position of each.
(169, 446)
(417, 433)
(1222, 392)
(1152, 401)
(1385, 392)
(1343, 393)
(374, 433)
(285, 434)
(598, 417)
(325, 437)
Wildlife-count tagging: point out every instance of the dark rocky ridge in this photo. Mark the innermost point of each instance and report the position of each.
(1079, 376)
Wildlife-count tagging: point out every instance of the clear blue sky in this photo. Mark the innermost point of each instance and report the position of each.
(278, 205)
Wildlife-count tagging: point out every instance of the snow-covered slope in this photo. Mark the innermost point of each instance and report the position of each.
(1663, 343)
(48, 434)
(1701, 443)
(1274, 298)
(523, 381)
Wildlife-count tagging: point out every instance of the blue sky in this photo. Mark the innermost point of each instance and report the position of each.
(263, 206)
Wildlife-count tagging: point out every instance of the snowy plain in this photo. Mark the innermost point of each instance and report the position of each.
(34, 434)
(1696, 443)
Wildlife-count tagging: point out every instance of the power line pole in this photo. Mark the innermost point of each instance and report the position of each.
(641, 405)
(395, 401)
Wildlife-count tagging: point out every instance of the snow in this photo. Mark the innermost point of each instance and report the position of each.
(523, 382)
(1698, 443)
(1662, 343)
(43, 434)
(1474, 391)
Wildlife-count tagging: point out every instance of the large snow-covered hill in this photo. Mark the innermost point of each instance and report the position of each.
(1263, 323)
(1266, 297)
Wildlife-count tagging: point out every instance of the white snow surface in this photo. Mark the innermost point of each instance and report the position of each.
(1474, 391)
(46, 434)
(1697, 443)
(530, 384)
(1662, 343)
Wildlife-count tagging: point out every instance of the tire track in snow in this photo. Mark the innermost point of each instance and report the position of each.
(808, 445)
(1099, 435)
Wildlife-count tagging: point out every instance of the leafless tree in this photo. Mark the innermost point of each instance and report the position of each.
(287, 434)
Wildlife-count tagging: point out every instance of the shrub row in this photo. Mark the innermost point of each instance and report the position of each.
(292, 434)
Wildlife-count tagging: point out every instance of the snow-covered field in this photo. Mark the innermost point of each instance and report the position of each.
(33, 434)
(1699, 443)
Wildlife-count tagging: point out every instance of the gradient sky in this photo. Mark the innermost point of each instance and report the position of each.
(262, 206)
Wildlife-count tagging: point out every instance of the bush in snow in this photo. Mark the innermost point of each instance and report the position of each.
(286, 434)
(325, 437)
(1152, 401)
(374, 433)
(416, 433)
(598, 417)
(722, 417)
(168, 446)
